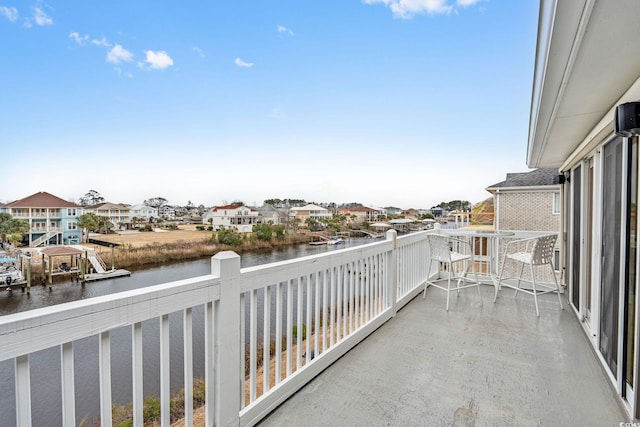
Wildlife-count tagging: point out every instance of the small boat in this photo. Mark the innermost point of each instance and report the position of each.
(326, 241)
(10, 274)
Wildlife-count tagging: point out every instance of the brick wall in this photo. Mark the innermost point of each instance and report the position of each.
(527, 211)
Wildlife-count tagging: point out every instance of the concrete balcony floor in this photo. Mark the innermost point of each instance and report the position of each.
(483, 365)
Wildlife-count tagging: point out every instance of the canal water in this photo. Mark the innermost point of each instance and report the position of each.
(45, 365)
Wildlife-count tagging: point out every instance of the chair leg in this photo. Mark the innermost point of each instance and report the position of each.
(424, 294)
(475, 274)
(535, 292)
(495, 295)
(555, 279)
(519, 278)
(448, 284)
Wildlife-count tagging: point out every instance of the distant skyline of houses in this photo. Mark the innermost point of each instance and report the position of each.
(54, 221)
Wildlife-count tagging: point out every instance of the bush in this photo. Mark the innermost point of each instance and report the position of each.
(263, 232)
(200, 227)
(151, 411)
(229, 237)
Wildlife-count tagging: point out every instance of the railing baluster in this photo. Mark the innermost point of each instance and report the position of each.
(67, 382)
(266, 340)
(209, 363)
(339, 296)
(278, 332)
(137, 374)
(334, 308)
(23, 391)
(253, 344)
(105, 378)
(316, 316)
(300, 288)
(187, 331)
(325, 308)
(165, 373)
(289, 324)
(310, 328)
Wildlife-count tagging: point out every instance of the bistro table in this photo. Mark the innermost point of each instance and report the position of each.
(485, 245)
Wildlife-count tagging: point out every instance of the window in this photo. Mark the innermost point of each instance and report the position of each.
(72, 226)
(556, 203)
(71, 212)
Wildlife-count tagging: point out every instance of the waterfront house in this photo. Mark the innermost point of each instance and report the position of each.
(234, 217)
(360, 214)
(118, 214)
(52, 220)
(273, 215)
(303, 213)
(142, 212)
(587, 65)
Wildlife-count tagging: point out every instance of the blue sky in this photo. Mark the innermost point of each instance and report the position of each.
(384, 102)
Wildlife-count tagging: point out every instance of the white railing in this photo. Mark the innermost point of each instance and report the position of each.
(315, 308)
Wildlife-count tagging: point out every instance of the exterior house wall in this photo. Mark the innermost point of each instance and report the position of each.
(527, 211)
(574, 127)
(238, 218)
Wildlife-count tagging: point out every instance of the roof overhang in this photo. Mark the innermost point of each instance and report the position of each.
(586, 63)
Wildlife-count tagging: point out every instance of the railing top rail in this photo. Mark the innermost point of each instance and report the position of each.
(282, 270)
(35, 330)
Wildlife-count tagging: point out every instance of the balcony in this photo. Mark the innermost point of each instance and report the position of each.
(376, 352)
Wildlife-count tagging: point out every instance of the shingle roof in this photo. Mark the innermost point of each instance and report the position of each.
(535, 178)
(41, 200)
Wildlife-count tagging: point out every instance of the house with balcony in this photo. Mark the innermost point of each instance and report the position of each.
(274, 215)
(232, 217)
(142, 213)
(52, 220)
(302, 213)
(586, 67)
(360, 214)
(119, 214)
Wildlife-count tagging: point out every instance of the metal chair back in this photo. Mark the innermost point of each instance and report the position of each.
(542, 252)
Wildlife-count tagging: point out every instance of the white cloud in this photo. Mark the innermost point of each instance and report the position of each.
(41, 18)
(76, 37)
(11, 13)
(101, 42)
(240, 63)
(158, 60)
(408, 8)
(198, 51)
(119, 54)
(286, 30)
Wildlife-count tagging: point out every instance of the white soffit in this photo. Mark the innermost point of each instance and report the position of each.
(592, 59)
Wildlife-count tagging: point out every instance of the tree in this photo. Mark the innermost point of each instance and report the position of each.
(456, 205)
(89, 222)
(156, 202)
(273, 202)
(10, 226)
(91, 198)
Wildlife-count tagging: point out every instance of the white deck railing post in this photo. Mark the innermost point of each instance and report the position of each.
(226, 353)
(392, 277)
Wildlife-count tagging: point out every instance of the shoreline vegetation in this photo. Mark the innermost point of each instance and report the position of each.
(147, 249)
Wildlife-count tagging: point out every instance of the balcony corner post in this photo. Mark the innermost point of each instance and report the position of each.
(392, 279)
(226, 352)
